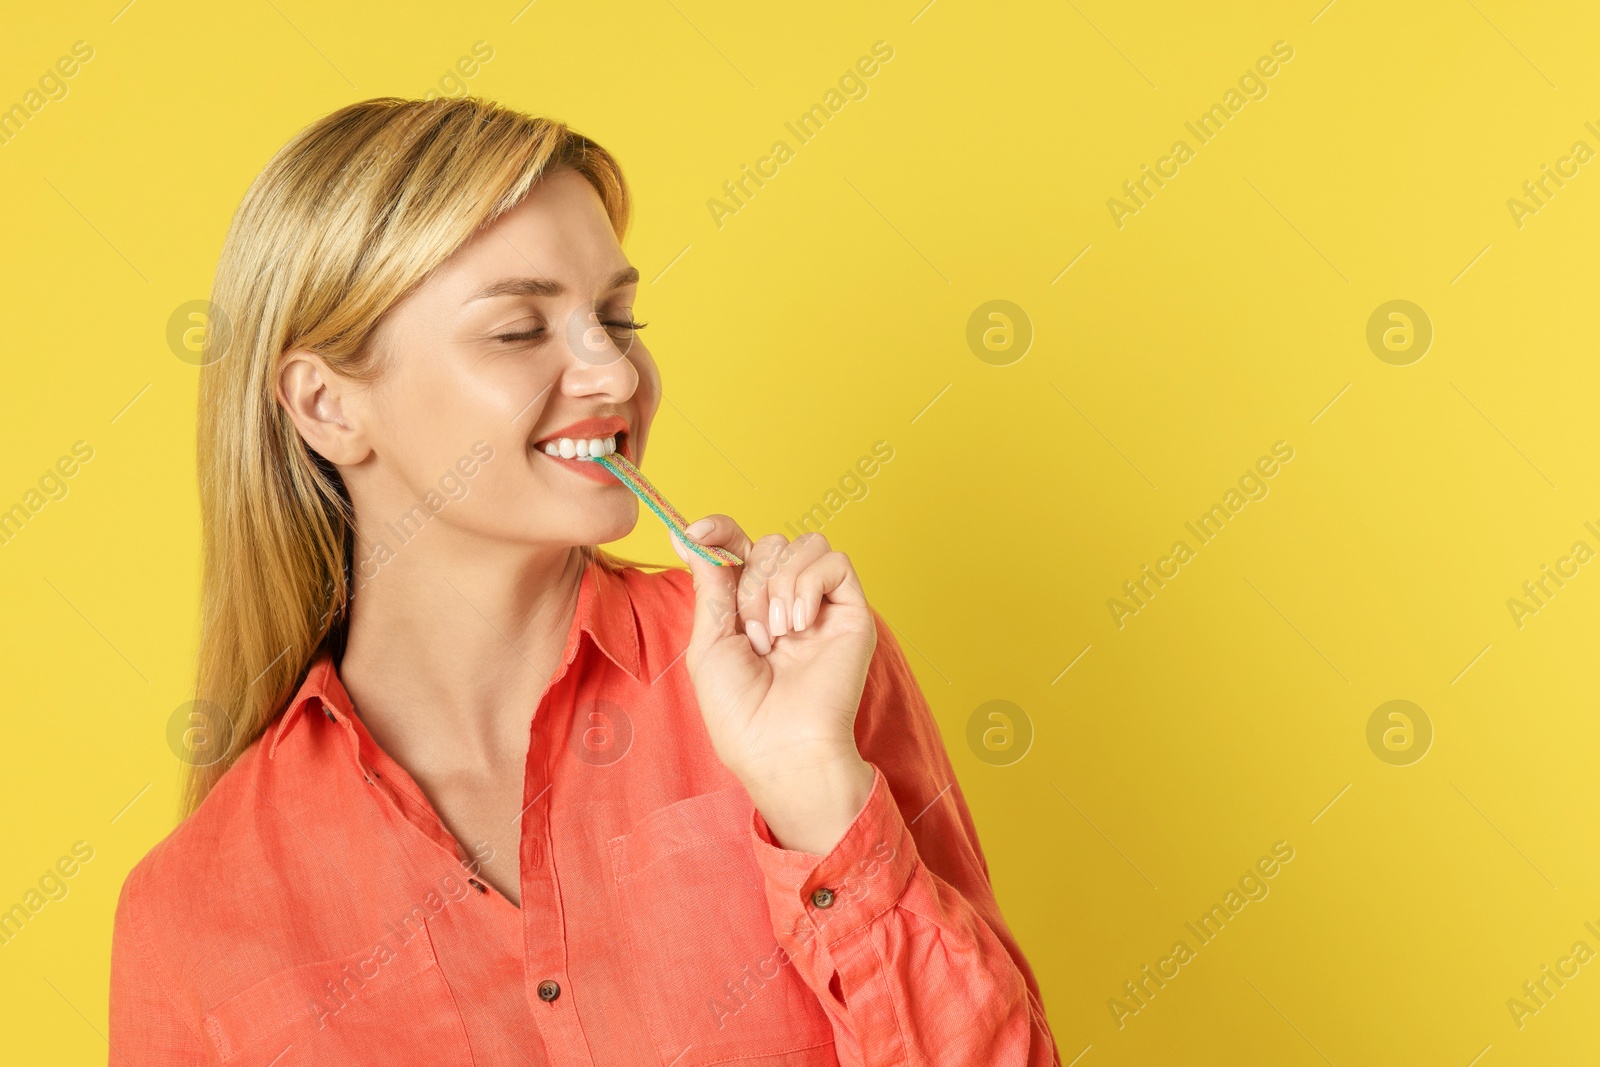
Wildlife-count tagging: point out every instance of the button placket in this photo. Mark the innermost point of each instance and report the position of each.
(534, 821)
(543, 914)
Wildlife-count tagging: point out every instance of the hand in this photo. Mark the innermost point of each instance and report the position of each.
(778, 656)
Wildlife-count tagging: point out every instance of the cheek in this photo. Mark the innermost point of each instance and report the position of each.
(433, 412)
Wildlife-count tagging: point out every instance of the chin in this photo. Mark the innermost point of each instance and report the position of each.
(600, 533)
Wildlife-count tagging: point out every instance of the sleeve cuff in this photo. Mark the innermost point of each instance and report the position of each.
(835, 895)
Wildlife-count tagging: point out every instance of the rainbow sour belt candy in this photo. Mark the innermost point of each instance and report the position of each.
(630, 476)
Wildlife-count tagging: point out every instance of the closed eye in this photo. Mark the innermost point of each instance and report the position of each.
(622, 333)
(525, 335)
(528, 335)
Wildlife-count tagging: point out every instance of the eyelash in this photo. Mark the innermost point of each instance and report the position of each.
(509, 338)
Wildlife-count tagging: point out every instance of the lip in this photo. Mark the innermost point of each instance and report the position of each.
(591, 427)
(594, 427)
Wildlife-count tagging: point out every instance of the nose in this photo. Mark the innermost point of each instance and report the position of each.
(597, 364)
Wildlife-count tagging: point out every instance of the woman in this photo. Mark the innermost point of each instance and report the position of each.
(465, 788)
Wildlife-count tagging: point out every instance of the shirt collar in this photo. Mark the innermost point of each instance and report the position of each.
(605, 612)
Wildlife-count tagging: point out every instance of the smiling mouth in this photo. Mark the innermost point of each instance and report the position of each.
(583, 447)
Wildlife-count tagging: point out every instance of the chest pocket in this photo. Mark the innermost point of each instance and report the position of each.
(712, 982)
(386, 1003)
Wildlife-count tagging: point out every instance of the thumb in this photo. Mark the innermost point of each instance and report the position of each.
(716, 588)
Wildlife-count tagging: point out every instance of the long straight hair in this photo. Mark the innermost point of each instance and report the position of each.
(349, 216)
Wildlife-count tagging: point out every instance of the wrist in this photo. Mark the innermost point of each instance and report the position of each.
(809, 804)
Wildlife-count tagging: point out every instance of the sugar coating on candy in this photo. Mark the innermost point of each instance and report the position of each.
(634, 479)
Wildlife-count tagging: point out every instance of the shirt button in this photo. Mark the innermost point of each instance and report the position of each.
(822, 898)
(549, 990)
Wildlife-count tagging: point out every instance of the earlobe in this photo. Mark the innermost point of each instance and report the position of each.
(317, 400)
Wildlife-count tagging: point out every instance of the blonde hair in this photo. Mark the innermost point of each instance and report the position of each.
(349, 216)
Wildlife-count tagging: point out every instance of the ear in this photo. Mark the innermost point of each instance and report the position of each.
(324, 406)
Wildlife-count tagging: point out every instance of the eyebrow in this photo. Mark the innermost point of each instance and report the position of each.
(545, 286)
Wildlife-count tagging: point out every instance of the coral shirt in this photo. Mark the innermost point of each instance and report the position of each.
(316, 911)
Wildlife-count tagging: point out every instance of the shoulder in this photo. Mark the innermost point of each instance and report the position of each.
(175, 886)
(181, 909)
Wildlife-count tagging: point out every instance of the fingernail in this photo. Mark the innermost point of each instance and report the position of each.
(699, 528)
(799, 610)
(775, 617)
(759, 639)
(677, 546)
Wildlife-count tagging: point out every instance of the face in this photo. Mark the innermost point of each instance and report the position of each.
(521, 338)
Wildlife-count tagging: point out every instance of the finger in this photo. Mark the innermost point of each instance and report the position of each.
(830, 579)
(715, 587)
(760, 564)
(719, 530)
(796, 557)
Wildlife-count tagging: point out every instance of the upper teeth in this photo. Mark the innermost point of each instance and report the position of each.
(582, 447)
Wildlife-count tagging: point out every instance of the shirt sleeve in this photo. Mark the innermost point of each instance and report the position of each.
(147, 1029)
(896, 929)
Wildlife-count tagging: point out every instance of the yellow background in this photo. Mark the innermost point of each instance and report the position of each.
(826, 315)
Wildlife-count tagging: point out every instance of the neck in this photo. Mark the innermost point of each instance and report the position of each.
(457, 639)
